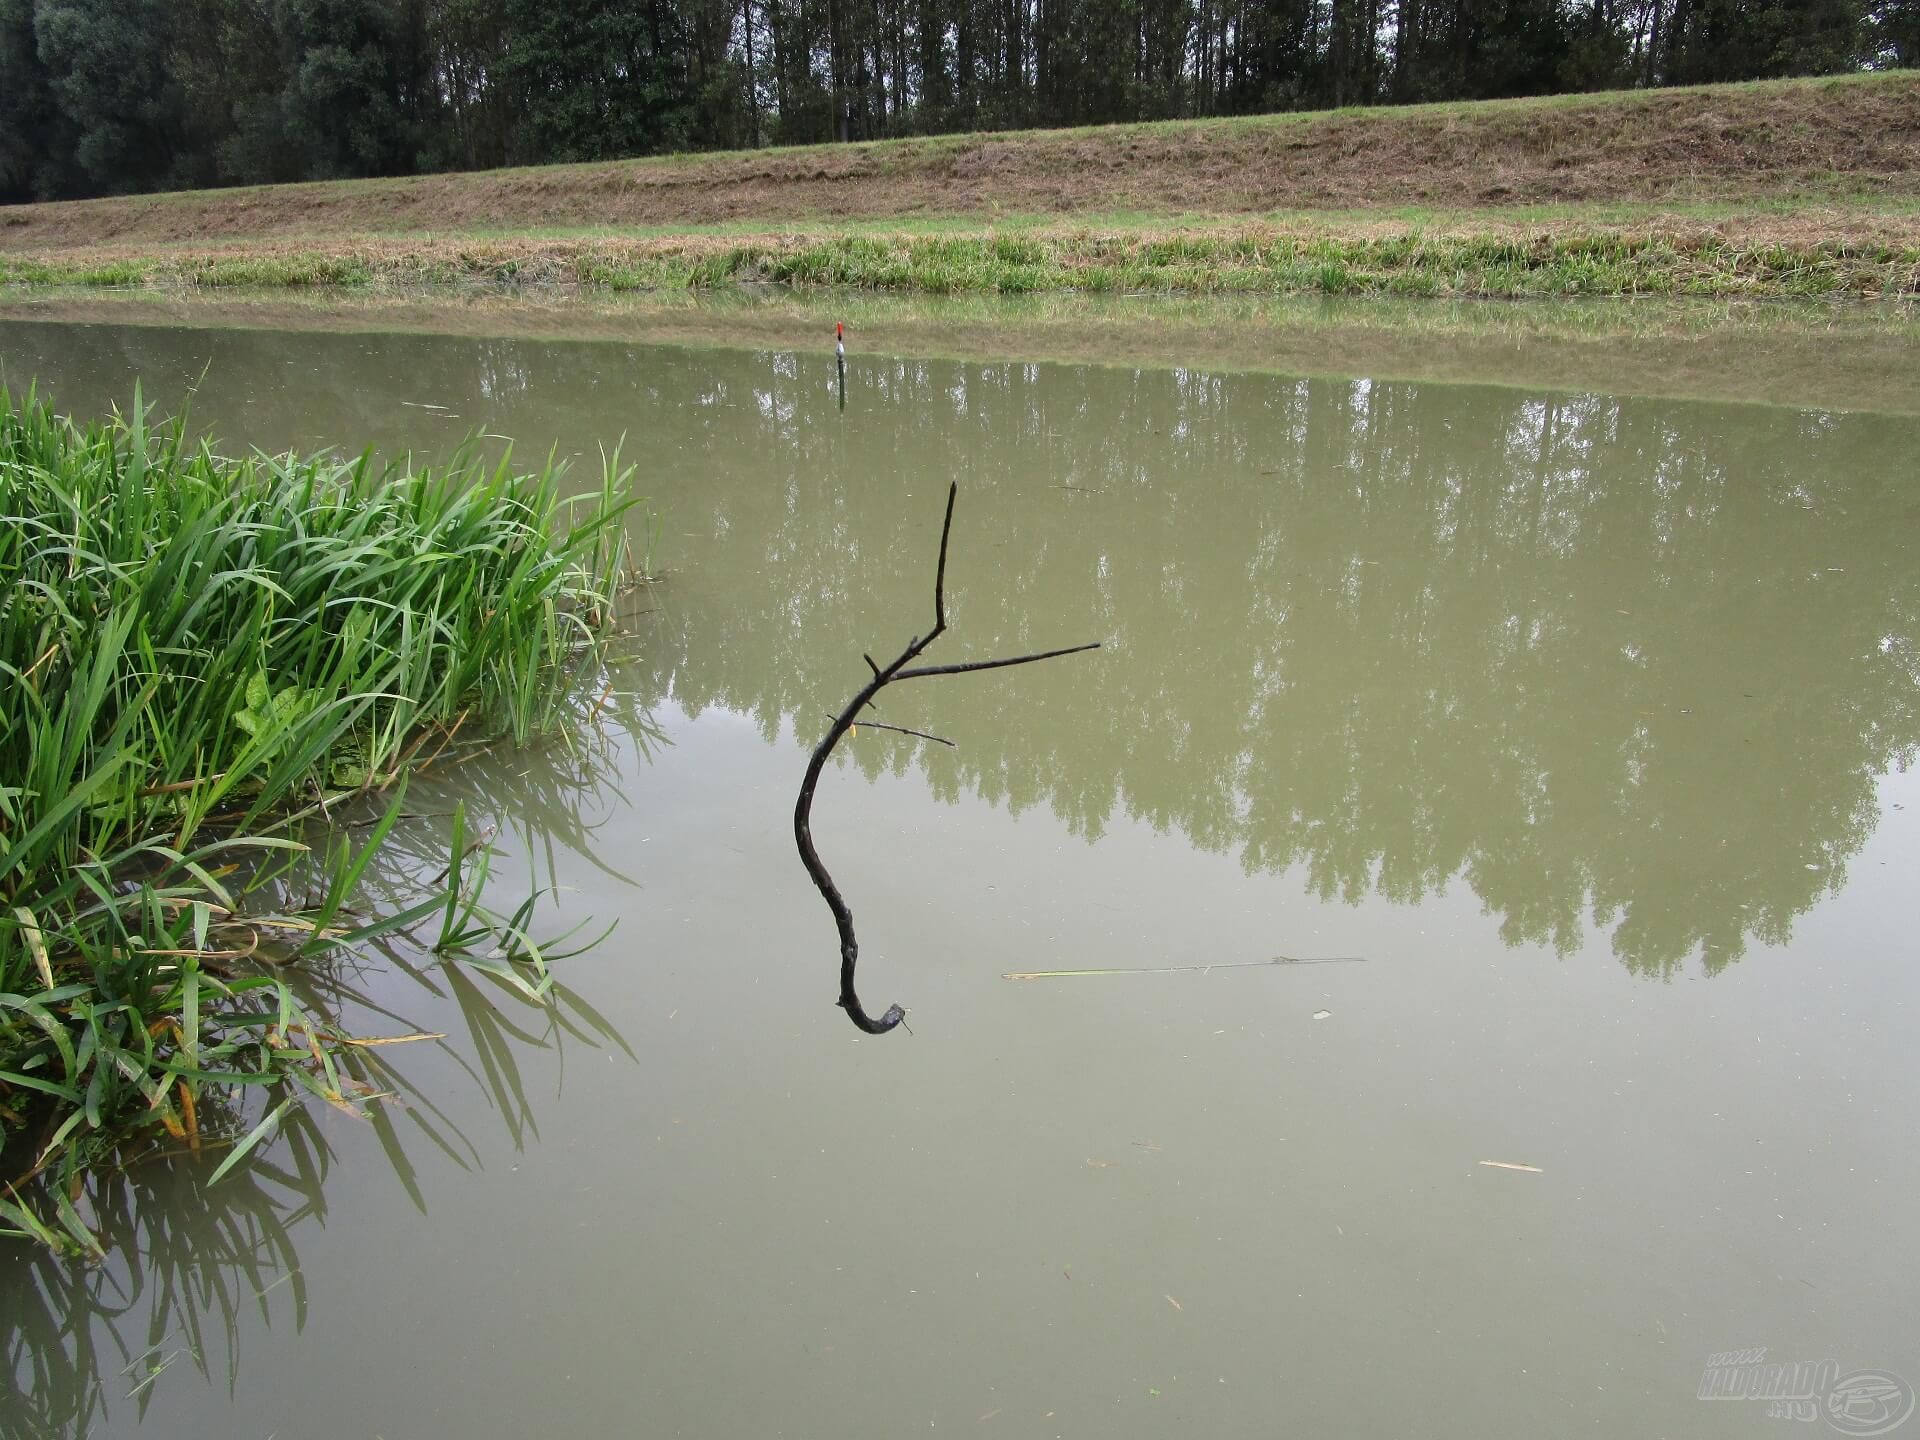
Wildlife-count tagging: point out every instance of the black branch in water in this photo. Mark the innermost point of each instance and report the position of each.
(883, 676)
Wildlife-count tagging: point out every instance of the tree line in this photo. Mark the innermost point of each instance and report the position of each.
(114, 96)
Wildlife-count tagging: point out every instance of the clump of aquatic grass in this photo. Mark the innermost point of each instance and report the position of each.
(197, 655)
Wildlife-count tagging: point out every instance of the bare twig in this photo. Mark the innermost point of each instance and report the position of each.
(969, 666)
(883, 676)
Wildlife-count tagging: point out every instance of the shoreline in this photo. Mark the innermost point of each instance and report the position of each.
(1825, 355)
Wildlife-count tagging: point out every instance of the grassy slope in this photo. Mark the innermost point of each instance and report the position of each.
(1798, 187)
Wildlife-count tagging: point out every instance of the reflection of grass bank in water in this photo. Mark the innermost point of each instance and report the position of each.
(1851, 357)
(1829, 253)
(199, 654)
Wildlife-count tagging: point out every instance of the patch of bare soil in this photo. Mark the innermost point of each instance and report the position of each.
(1789, 140)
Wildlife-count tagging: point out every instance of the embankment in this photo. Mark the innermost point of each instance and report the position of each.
(1791, 188)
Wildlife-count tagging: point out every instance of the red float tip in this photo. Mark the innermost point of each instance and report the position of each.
(839, 330)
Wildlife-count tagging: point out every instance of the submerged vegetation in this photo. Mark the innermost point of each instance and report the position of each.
(199, 656)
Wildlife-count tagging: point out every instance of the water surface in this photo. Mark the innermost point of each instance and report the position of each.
(1582, 719)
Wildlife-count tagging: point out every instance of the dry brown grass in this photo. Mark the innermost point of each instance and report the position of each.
(1785, 141)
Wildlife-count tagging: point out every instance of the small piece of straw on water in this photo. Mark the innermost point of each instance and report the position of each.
(1509, 1165)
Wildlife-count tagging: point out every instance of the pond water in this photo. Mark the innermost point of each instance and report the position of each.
(1571, 729)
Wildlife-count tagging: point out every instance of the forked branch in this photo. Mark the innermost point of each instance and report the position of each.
(883, 676)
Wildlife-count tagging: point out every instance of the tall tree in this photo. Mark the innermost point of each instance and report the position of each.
(36, 140)
(477, 106)
(1707, 41)
(598, 78)
(1895, 33)
(352, 91)
(104, 64)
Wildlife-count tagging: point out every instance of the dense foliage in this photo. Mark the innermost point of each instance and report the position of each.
(107, 96)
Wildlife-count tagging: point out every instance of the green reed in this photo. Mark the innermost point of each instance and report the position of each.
(199, 658)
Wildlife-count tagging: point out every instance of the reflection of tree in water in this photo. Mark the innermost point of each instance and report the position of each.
(1640, 658)
(1637, 659)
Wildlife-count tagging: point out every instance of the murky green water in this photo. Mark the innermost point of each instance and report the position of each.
(1582, 720)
